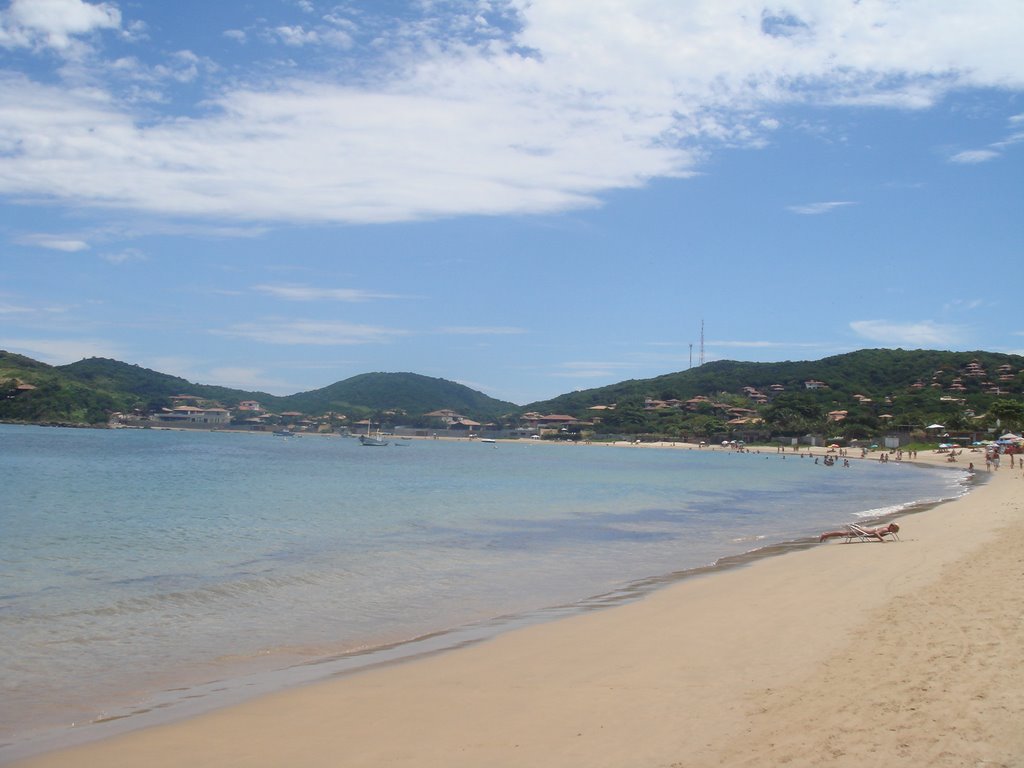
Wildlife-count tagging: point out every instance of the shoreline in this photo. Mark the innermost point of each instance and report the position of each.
(233, 687)
(171, 706)
(301, 698)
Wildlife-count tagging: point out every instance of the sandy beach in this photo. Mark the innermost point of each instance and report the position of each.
(845, 654)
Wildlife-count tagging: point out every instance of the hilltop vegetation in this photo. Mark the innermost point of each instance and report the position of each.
(859, 394)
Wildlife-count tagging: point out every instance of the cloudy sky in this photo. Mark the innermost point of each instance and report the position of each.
(525, 196)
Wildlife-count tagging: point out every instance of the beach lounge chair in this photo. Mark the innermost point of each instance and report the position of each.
(853, 531)
(865, 534)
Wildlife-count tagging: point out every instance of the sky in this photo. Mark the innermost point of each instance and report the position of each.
(528, 197)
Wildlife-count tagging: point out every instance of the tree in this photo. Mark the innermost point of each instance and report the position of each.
(1009, 412)
(706, 426)
(628, 416)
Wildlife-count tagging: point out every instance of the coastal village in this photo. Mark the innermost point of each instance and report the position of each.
(745, 421)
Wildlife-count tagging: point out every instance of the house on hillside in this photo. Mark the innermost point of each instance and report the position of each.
(192, 415)
(974, 370)
(550, 421)
(446, 416)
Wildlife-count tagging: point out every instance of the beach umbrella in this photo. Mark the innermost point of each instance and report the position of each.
(935, 426)
(1009, 436)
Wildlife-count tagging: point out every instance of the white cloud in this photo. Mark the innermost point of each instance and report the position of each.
(54, 242)
(246, 378)
(968, 304)
(14, 309)
(974, 156)
(296, 36)
(312, 333)
(816, 209)
(764, 344)
(126, 256)
(37, 311)
(994, 150)
(310, 293)
(925, 333)
(592, 370)
(53, 23)
(465, 330)
(62, 351)
(575, 100)
(237, 377)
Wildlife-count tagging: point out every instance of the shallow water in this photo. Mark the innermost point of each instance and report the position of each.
(138, 565)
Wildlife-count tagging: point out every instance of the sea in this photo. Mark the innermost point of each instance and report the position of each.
(147, 575)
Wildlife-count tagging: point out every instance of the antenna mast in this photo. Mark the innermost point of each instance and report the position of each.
(702, 341)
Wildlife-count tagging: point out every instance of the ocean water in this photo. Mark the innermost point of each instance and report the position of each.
(156, 570)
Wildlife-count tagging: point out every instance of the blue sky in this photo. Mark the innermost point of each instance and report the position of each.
(525, 196)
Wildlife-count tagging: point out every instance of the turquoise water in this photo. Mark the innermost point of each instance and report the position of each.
(137, 566)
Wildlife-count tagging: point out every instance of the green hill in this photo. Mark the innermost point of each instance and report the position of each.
(153, 388)
(871, 372)
(876, 388)
(86, 392)
(35, 392)
(410, 393)
(879, 389)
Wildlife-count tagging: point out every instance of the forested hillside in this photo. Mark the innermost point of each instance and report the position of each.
(857, 394)
(409, 393)
(878, 389)
(87, 392)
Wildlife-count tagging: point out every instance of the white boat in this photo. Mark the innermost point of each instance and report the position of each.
(375, 440)
(488, 440)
